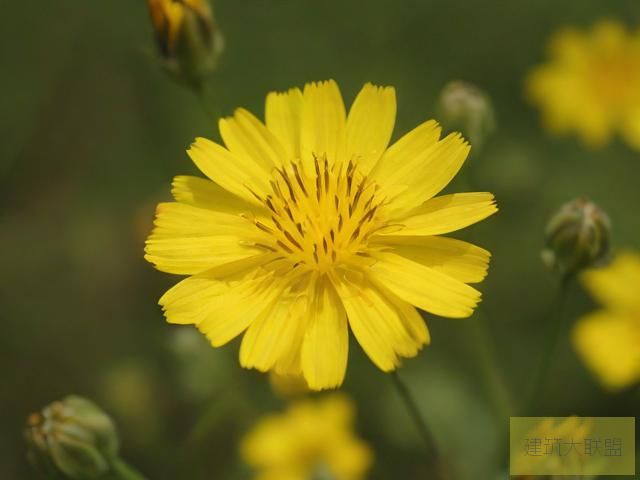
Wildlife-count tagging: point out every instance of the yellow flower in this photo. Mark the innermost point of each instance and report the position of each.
(591, 84)
(609, 340)
(313, 439)
(311, 225)
(553, 435)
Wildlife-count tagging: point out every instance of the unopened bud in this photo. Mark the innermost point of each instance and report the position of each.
(72, 438)
(466, 108)
(577, 237)
(188, 39)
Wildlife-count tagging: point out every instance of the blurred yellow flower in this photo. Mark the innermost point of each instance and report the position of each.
(552, 460)
(609, 340)
(288, 386)
(313, 439)
(311, 224)
(591, 84)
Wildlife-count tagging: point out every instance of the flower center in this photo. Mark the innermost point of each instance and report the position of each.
(321, 215)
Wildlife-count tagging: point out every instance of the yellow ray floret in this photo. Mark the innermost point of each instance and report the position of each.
(311, 225)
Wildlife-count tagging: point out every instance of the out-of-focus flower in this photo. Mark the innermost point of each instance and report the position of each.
(576, 237)
(312, 224)
(130, 390)
(72, 438)
(314, 439)
(287, 386)
(550, 432)
(188, 38)
(591, 84)
(200, 371)
(465, 107)
(608, 340)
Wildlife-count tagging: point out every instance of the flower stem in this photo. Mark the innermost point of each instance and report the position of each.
(412, 407)
(556, 323)
(207, 101)
(122, 471)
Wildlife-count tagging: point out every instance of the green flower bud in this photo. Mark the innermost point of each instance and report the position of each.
(72, 438)
(577, 237)
(188, 39)
(466, 108)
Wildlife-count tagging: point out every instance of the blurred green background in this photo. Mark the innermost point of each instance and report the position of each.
(92, 133)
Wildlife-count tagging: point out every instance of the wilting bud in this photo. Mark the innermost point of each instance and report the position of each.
(576, 237)
(466, 108)
(71, 438)
(188, 39)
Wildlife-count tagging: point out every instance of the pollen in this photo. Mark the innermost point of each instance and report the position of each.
(320, 216)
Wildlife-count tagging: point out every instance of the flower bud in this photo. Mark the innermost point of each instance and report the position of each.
(188, 39)
(576, 237)
(465, 107)
(71, 438)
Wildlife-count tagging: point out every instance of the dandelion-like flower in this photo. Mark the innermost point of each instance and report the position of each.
(608, 340)
(591, 84)
(310, 225)
(313, 439)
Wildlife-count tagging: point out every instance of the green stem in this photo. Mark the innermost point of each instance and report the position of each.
(556, 324)
(497, 390)
(123, 471)
(412, 407)
(205, 96)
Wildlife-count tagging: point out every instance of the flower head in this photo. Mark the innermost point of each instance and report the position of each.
(310, 225)
(313, 439)
(553, 433)
(188, 39)
(590, 84)
(577, 237)
(465, 107)
(71, 438)
(608, 340)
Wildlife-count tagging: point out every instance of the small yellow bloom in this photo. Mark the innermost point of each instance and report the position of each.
(313, 439)
(609, 340)
(591, 84)
(311, 225)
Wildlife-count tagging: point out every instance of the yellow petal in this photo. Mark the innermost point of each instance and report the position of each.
(424, 287)
(370, 125)
(203, 193)
(608, 344)
(446, 214)
(238, 174)
(616, 285)
(419, 165)
(384, 327)
(231, 313)
(247, 137)
(326, 340)
(283, 113)
(188, 240)
(323, 123)
(188, 301)
(274, 335)
(455, 258)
